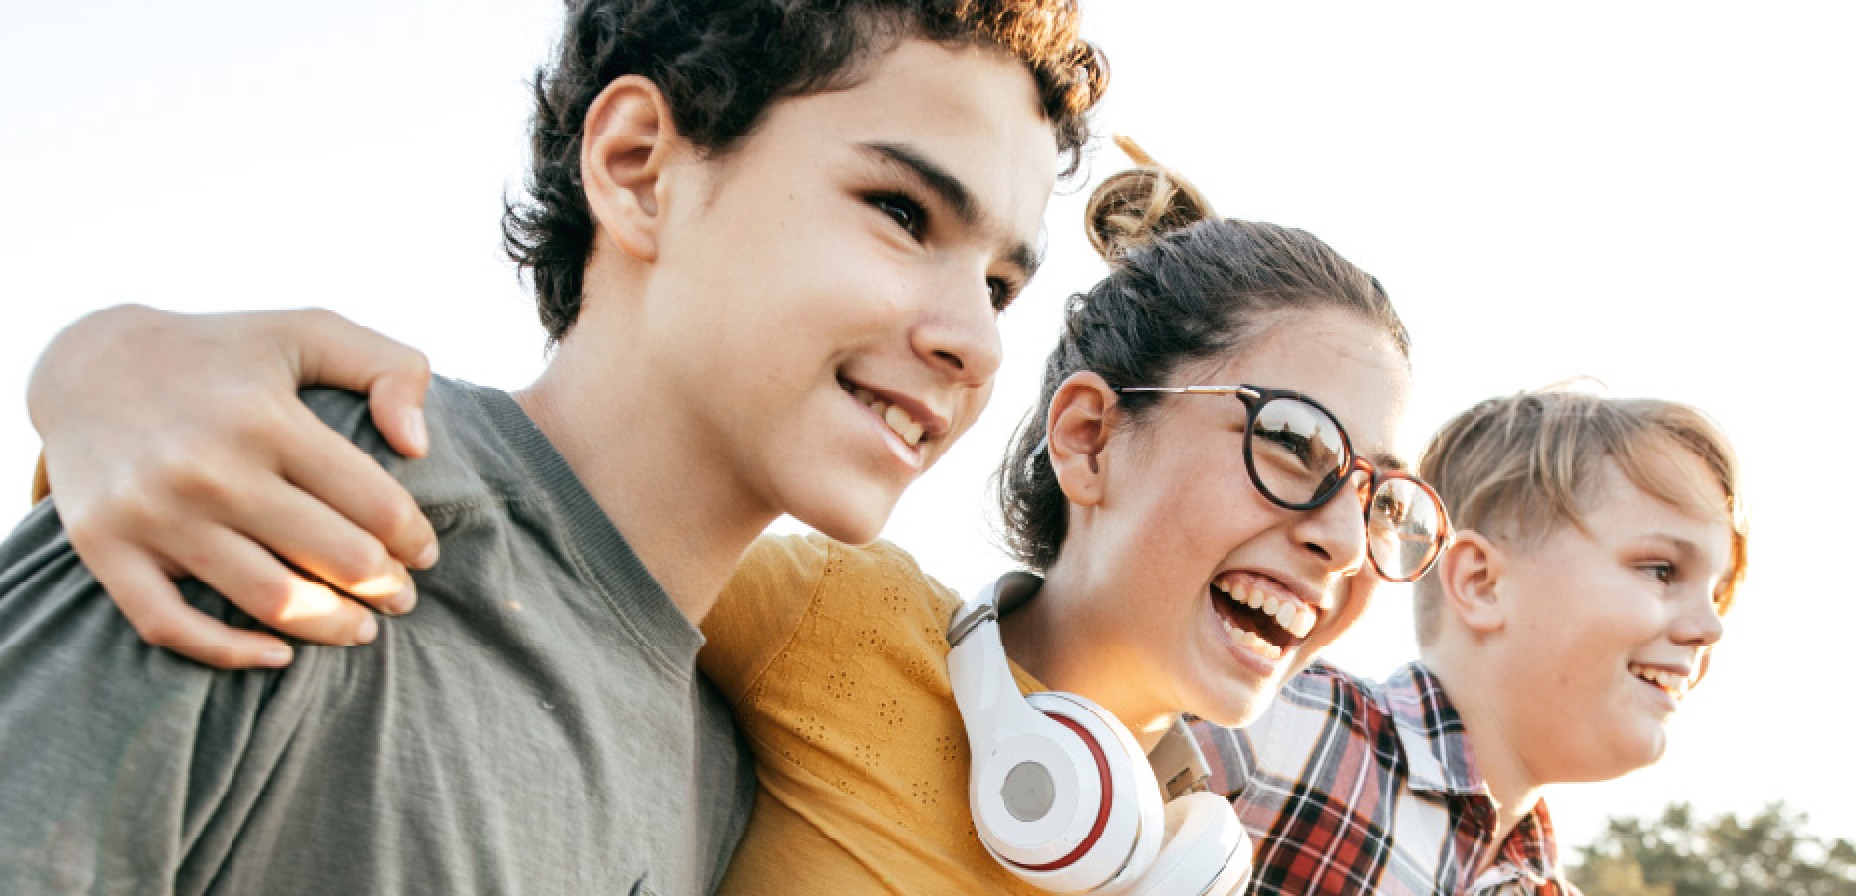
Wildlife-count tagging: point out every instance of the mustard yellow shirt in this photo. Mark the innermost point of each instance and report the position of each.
(834, 659)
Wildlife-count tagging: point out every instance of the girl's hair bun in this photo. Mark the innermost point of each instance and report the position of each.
(1134, 207)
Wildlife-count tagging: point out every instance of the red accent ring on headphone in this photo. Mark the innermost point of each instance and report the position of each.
(1108, 798)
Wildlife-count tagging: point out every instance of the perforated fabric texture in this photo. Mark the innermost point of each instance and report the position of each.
(836, 661)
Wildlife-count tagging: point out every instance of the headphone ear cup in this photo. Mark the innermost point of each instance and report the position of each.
(1132, 821)
(1207, 851)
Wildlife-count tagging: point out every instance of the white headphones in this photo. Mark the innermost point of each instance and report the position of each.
(1063, 796)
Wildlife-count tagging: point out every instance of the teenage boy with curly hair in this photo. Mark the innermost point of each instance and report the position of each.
(768, 240)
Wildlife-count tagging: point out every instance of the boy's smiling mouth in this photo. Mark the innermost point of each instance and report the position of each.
(1260, 615)
(1675, 683)
(904, 422)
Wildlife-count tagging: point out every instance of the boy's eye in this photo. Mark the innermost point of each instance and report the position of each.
(907, 213)
(1661, 572)
(1003, 292)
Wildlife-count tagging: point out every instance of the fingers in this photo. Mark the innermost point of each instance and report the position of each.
(333, 351)
(277, 596)
(163, 618)
(360, 493)
(177, 446)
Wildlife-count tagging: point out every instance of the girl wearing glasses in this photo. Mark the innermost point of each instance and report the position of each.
(1206, 495)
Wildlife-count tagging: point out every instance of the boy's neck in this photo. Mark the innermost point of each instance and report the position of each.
(679, 508)
(1504, 770)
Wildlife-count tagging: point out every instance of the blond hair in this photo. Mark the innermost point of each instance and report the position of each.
(1518, 467)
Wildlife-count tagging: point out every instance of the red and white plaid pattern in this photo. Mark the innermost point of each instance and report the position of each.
(1349, 788)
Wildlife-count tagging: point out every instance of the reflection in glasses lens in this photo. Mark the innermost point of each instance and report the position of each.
(1300, 459)
(1297, 451)
(1403, 527)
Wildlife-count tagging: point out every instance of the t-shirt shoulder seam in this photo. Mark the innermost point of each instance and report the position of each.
(752, 686)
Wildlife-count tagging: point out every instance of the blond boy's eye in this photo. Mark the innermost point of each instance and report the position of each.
(1662, 572)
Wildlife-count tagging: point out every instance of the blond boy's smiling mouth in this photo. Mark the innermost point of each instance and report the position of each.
(1670, 680)
(1260, 614)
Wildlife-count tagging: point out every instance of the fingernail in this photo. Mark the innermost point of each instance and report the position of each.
(275, 657)
(368, 631)
(402, 603)
(428, 558)
(415, 430)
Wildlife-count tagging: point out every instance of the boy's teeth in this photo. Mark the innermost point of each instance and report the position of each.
(898, 419)
(904, 425)
(1676, 685)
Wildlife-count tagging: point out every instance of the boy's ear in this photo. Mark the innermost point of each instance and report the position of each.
(1077, 428)
(1469, 575)
(624, 145)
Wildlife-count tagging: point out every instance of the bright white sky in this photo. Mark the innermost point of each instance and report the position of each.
(1657, 195)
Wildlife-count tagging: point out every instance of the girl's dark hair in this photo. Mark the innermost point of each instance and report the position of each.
(1183, 286)
(721, 63)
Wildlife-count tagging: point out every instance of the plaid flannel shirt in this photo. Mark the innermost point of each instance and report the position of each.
(1347, 788)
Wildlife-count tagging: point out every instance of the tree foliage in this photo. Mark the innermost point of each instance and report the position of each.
(1682, 855)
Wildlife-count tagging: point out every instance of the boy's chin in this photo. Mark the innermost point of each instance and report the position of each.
(848, 519)
(1635, 751)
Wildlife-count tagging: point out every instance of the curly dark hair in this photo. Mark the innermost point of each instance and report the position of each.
(721, 63)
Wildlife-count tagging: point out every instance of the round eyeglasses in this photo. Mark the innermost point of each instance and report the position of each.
(1300, 458)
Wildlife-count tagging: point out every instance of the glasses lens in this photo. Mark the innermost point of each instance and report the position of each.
(1296, 451)
(1403, 526)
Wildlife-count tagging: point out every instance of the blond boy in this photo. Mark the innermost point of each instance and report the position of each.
(1598, 548)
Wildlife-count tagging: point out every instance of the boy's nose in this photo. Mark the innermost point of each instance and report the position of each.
(959, 335)
(1698, 623)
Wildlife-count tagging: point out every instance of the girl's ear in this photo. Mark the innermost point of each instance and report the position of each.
(623, 151)
(1078, 426)
(1469, 574)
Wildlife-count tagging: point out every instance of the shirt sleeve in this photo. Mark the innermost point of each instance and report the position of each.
(760, 609)
(118, 761)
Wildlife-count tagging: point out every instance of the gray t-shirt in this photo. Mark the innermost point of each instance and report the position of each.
(537, 725)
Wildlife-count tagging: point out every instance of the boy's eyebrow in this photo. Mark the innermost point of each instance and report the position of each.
(1385, 461)
(952, 193)
(1676, 542)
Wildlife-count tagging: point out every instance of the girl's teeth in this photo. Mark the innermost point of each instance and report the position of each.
(1295, 618)
(1252, 642)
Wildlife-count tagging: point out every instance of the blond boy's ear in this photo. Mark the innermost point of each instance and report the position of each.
(1077, 428)
(41, 483)
(624, 147)
(1469, 576)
